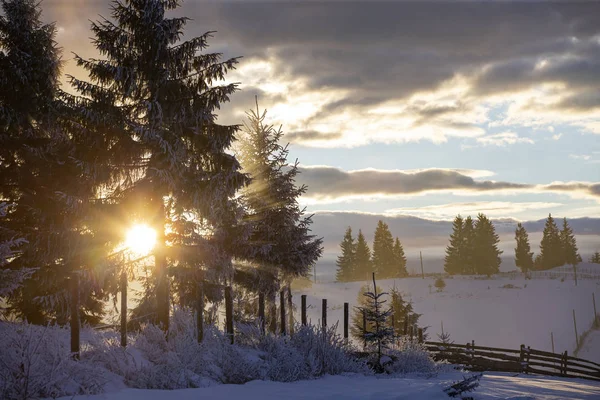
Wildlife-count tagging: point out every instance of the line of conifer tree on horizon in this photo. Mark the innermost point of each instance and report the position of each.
(473, 247)
(557, 248)
(356, 262)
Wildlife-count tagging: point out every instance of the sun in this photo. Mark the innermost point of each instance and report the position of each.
(140, 239)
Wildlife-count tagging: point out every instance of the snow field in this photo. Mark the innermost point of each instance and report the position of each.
(488, 311)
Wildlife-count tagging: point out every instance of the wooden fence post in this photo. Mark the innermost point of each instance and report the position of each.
(552, 340)
(229, 312)
(346, 316)
(123, 308)
(282, 311)
(74, 311)
(596, 323)
(410, 331)
(522, 355)
(524, 358)
(575, 325)
(324, 314)
(303, 306)
(290, 310)
(421, 335)
(200, 312)
(261, 312)
(273, 314)
(364, 330)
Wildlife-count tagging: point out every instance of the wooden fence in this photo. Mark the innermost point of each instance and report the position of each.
(524, 360)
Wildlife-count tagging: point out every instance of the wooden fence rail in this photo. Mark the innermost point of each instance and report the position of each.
(526, 360)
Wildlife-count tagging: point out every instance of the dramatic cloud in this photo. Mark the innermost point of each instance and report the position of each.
(328, 184)
(347, 74)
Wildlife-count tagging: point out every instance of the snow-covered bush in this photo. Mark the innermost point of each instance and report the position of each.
(309, 353)
(35, 361)
(104, 350)
(177, 363)
(325, 352)
(410, 357)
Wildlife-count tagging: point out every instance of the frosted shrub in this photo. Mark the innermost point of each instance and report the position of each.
(284, 361)
(238, 365)
(325, 352)
(36, 362)
(309, 353)
(104, 350)
(172, 364)
(411, 357)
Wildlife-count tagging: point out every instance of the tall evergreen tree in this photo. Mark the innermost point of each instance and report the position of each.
(362, 258)
(10, 280)
(487, 255)
(453, 259)
(42, 173)
(595, 258)
(550, 247)
(523, 253)
(345, 261)
(383, 252)
(156, 95)
(468, 250)
(399, 259)
(280, 239)
(568, 242)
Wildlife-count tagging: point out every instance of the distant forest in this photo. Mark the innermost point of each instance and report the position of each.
(472, 250)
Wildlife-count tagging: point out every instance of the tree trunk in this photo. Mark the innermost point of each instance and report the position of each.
(160, 265)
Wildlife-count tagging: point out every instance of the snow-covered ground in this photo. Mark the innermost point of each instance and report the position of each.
(500, 312)
(492, 386)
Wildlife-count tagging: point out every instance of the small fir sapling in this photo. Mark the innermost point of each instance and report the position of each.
(378, 334)
(439, 284)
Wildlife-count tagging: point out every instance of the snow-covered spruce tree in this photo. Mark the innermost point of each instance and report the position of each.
(41, 175)
(383, 252)
(550, 246)
(345, 261)
(399, 259)
(453, 259)
(523, 253)
(486, 257)
(280, 242)
(378, 334)
(158, 95)
(570, 253)
(10, 280)
(363, 266)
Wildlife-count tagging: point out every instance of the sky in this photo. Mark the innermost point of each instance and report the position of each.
(423, 109)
